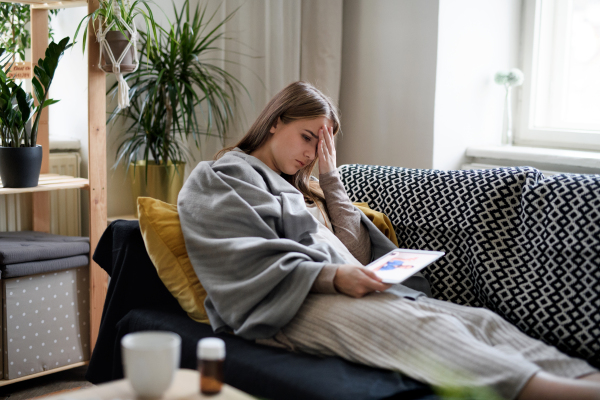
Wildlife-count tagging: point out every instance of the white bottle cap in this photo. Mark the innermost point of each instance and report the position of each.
(211, 349)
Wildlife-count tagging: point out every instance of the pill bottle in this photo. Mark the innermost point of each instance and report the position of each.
(211, 356)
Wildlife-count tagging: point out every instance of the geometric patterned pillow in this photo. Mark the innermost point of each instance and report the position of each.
(524, 246)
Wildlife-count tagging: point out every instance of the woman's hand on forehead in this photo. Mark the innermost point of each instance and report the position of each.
(326, 150)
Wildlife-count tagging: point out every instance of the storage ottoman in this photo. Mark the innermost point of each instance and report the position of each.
(45, 303)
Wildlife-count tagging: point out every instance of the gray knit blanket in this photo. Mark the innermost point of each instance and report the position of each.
(248, 235)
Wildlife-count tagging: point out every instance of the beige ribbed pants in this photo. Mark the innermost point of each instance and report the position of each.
(433, 341)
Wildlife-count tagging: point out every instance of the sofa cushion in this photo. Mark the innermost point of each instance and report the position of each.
(524, 246)
(163, 238)
(25, 246)
(41, 266)
(380, 220)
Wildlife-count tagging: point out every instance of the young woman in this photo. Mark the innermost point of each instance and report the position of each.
(281, 258)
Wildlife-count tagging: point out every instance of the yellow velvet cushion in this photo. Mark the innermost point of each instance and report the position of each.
(381, 221)
(161, 230)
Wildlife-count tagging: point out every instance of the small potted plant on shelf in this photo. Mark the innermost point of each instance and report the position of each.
(168, 93)
(20, 156)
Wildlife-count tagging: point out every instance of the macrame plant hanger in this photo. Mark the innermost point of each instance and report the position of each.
(123, 88)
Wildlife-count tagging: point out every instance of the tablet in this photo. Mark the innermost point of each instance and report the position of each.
(400, 264)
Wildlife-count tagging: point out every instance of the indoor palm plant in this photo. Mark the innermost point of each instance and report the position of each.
(173, 86)
(20, 156)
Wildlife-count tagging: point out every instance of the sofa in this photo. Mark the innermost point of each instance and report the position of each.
(520, 244)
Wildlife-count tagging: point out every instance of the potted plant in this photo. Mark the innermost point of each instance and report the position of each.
(167, 93)
(116, 22)
(20, 156)
(159, 172)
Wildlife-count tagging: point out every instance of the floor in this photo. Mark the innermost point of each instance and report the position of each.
(68, 380)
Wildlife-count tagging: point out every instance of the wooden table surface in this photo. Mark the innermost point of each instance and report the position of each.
(185, 386)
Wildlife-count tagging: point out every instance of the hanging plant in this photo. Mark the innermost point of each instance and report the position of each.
(115, 29)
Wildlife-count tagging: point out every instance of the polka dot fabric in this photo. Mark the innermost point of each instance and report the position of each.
(46, 321)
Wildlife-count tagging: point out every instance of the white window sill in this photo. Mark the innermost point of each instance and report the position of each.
(528, 155)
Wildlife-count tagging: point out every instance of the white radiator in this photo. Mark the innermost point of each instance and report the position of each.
(65, 204)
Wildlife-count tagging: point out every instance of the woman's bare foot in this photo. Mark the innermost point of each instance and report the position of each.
(546, 386)
(593, 377)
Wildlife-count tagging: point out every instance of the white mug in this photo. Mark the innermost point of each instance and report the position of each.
(150, 360)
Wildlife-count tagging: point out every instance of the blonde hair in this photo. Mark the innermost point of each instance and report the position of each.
(298, 100)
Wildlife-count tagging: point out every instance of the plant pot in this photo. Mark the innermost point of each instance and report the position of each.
(158, 181)
(20, 166)
(117, 43)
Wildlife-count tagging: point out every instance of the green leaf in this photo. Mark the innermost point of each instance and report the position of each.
(23, 105)
(49, 67)
(50, 102)
(41, 75)
(38, 89)
(84, 19)
(64, 44)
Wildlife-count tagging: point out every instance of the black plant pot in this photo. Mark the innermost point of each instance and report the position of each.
(20, 166)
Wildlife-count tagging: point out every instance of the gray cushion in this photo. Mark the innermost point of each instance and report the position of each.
(39, 267)
(24, 246)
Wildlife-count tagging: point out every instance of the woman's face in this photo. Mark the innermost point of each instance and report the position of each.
(292, 146)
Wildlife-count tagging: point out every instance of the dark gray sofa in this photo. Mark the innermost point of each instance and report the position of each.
(525, 246)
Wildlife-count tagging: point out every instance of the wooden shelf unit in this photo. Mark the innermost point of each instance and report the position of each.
(50, 182)
(97, 179)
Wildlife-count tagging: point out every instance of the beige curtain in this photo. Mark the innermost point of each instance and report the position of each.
(271, 44)
(321, 45)
(282, 41)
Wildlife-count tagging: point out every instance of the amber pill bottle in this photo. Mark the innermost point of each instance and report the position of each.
(211, 356)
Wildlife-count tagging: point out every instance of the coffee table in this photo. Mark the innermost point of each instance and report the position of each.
(185, 386)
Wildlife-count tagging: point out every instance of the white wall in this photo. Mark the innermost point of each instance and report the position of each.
(417, 79)
(475, 40)
(69, 117)
(387, 93)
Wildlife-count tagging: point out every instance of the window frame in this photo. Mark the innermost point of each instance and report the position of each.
(525, 135)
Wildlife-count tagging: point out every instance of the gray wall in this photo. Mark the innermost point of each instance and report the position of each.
(475, 40)
(417, 79)
(387, 94)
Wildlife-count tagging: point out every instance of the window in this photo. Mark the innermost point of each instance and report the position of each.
(560, 103)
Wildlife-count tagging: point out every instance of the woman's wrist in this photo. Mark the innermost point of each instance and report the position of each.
(329, 175)
(324, 281)
(330, 181)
